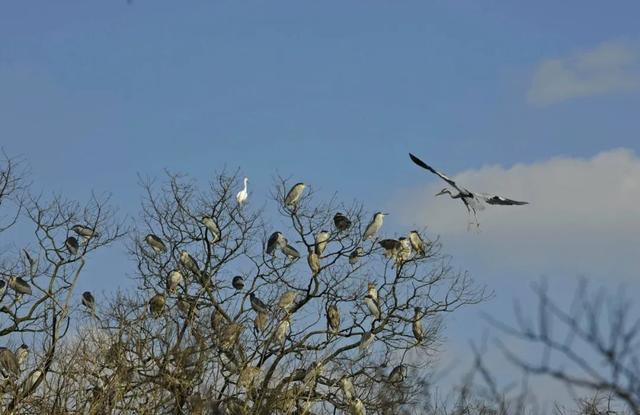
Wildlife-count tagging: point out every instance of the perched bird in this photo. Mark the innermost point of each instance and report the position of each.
(473, 202)
(189, 262)
(291, 252)
(347, 388)
(22, 353)
(8, 363)
(366, 340)
(374, 226)
(321, 242)
(257, 304)
(247, 376)
(174, 279)
(292, 198)
(243, 194)
(276, 241)
(88, 301)
(33, 264)
(333, 319)
(155, 243)
(260, 322)
(32, 380)
(416, 326)
(357, 407)
(72, 245)
(417, 243)
(314, 262)
(398, 374)
(237, 282)
(355, 255)
(156, 305)
(372, 305)
(405, 250)
(372, 291)
(212, 227)
(287, 300)
(20, 286)
(391, 247)
(230, 335)
(282, 331)
(341, 222)
(84, 231)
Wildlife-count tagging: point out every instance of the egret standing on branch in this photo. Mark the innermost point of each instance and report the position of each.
(243, 194)
(472, 201)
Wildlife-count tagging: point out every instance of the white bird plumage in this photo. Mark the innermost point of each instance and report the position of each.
(243, 194)
(374, 226)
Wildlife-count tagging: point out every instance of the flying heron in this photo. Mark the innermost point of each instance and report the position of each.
(472, 201)
(293, 197)
(243, 194)
(374, 226)
(341, 222)
(155, 243)
(72, 245)
(212, 227)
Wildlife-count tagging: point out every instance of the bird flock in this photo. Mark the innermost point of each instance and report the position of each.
(397, 250)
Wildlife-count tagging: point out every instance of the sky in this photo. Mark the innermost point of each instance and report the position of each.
(536, 100)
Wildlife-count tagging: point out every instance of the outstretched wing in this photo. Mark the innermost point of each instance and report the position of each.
(434, 171)
(499, 200)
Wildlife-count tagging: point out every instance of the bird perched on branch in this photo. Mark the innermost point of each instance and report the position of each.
(84, 231)
(155, 243)
(72, 245)
(174, 279)
(276, 241)
(333, 319)
(417, 243)
(243, 194)
(212, 227)
(20, 286)
(472, 201)
(341, 222)
(293, 197)
(374, 226)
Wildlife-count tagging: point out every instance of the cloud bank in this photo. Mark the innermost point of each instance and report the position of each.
(608, 68)
(584, 216)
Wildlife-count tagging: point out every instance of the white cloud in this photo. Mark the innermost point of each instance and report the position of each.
(608, 68)
(583, 216)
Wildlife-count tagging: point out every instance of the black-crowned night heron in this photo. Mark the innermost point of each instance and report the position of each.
(257, 304)
(292, 198)
(72, 245)
(341, 222)
(20, 286)
(276, 241)
(237, 282)
(155, 243)
(84, 231)
(417, 243)
(212, 227)
(174, 279)
(321, 240)
(374, 226)
(89, 301)
(156, 305)
(333, 319)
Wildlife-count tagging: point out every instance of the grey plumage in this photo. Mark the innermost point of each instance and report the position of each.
(156, 305)
(276, 241)
(321, 240)
(291, 252)
(391, 247)
(9, 363)
(20, 286)
(366, 340)
(174, 279)
(212, 227)
(374, 226)
(84, 231)
(372, 305)
(292, 198)
(72, 245)
(155, 243)
(417, 243)
(22, 353)
(314, 262)
(287, 300)
(89, 301)
(257, 304)
(333, 319)
(416, 326)
(237, 282)
(189, 262)
(355, 255)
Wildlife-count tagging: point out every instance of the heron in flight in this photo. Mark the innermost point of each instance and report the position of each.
(472, 201)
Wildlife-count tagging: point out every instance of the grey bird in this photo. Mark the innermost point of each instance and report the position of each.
(314, 262)
(366, 340)
(89, 301)
(341, 222)
(260, 322)
(276, 241)
(398, 374)
(374, 226)
(287, 300)
(237, 282)
(405, 250)
(155, 243)
(20, 286)
(472, 201)
(8, 363)
(391, 247)
(372, 305)
(189, 263)
(417, 243)
(72, 245)
(84, 231)
(156, 305)
(212, 227)
(174, 279)
(291, 252)
(22, 353)
(321, 239)
(292, 198)
(257, 304)
(355, 255)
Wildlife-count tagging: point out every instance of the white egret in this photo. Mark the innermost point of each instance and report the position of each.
(243, 194)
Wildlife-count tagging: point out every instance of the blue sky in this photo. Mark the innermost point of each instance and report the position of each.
(336, 93)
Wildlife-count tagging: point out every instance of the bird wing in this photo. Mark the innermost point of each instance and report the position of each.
(499, 200)
(424, 165)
